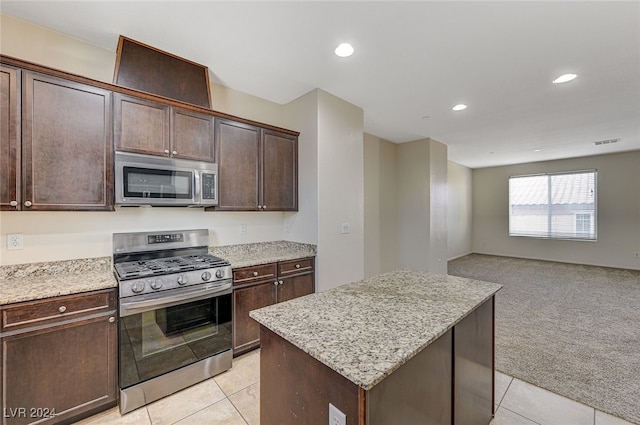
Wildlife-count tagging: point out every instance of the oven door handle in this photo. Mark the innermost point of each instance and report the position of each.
(163, 301)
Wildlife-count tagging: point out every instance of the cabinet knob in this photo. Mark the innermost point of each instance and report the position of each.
(166, 151)
(13, 203)
(264, 207)
(280, 283)
(112, 319)
(275, 283)
(297, 266)
(62, 309)
(255, 273)
(174, 152)
(27, 203)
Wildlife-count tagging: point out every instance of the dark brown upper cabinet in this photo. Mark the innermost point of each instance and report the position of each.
(279, 171)
(9, 138)
(257, 168)
(153, 128)
(64, 158)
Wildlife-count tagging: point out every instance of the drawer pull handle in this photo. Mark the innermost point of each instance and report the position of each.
(297, 266)
(112, 319)
(62, 309)
(255, 273)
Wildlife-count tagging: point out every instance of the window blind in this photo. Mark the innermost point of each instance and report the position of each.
(554, 205)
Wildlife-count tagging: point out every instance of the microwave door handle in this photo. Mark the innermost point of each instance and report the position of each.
(135, 307)
(196, 177)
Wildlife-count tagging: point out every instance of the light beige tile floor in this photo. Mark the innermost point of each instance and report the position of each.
(233, 398)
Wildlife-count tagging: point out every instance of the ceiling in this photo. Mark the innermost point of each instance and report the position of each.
(413, 61)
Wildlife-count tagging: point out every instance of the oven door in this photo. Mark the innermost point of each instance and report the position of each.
(160, 333)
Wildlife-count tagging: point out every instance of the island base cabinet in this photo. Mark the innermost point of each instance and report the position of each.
(297, 389)
(474, 367)
(419, 392)
(451, 381)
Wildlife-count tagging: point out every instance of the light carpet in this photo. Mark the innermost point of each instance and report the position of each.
(572, 329)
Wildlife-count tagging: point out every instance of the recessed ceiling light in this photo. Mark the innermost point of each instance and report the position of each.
(344, 50)
(565, 78)
(537, 150)
(459, 107)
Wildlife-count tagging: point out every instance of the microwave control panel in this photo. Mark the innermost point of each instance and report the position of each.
(208, 186)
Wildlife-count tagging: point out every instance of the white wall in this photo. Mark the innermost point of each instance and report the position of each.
(422, 205)
(302, 114)
(618, 213)
(380, 208)
(459, 210)
(340, 191)
(52, 236)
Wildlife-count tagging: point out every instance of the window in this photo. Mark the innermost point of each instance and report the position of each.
(554, 206)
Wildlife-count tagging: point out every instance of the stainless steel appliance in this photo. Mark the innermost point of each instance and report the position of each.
(175, 313)
(161, 181)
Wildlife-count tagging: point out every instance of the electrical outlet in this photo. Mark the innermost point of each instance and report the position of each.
(636, 254)
(14, 241)
(243, 229)
(336, 417)
(345, 228)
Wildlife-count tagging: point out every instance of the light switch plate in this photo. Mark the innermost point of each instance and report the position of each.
(345, 228)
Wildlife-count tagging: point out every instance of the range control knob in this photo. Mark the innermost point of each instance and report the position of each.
(219, 273)
(183, 279)
(157, 284)
(137, 287)
(206, 276)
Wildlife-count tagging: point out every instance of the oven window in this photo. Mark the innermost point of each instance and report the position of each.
(160, 341)
(153, 183)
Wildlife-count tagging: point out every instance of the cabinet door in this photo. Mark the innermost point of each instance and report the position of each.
(70, 369)
(280, 172)
(9, 138)
(191, 135)
(67, 149)
(295, 286)
(246, 331)
(237, 156)
(141, 126)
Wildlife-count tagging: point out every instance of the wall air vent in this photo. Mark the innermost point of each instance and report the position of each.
(606, 142)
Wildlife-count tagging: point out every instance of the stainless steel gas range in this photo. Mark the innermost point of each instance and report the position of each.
(175, 313)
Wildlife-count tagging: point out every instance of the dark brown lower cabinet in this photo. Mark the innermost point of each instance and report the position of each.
(246, 331)
(262, 285)
(57, 373)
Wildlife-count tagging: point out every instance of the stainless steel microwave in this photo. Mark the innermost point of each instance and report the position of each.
(161, 181)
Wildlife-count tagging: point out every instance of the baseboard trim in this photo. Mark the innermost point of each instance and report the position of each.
(551, 260)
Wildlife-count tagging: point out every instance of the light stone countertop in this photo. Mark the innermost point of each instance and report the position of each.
(254, 254)
(33, 281)
(366, 330)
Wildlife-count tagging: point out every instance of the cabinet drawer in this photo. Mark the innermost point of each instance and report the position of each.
(295, 266)
(254, 273)
(51, 310)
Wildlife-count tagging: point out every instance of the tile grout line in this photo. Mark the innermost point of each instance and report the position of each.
(522, 416)
(505, 391)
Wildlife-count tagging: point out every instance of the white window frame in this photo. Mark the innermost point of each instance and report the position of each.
(515, 228)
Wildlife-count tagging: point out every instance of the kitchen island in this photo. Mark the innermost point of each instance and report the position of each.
(403, 347)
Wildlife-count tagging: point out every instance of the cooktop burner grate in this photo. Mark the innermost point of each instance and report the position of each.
(163, 266)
